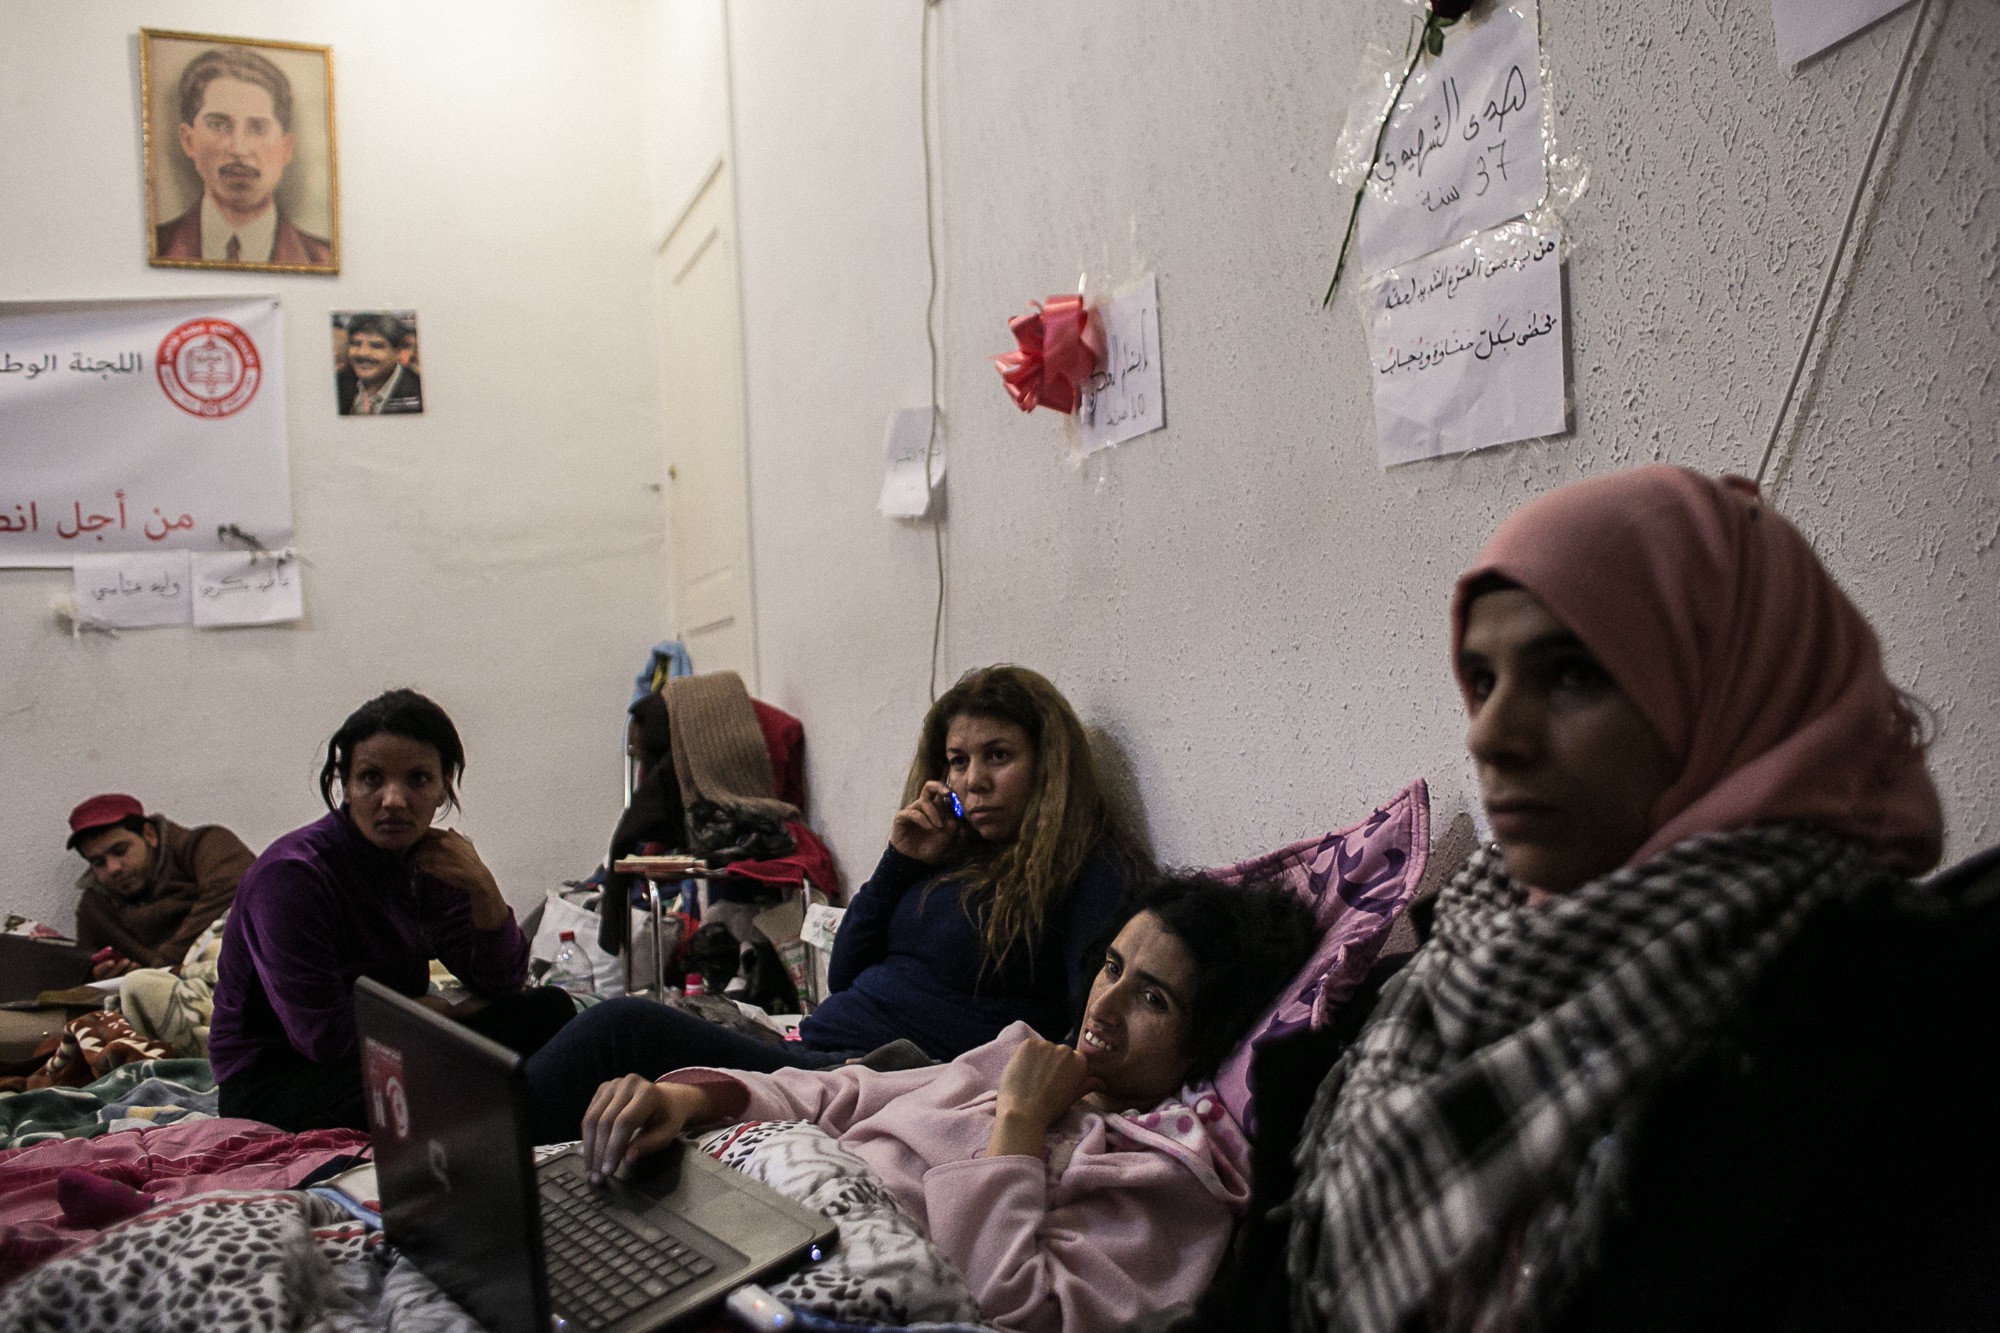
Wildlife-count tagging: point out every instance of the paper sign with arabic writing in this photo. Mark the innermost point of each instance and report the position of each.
(245, 588)
(1127, 396)
(1466, 346)
(1463, 151)
(1807, 27)
(132, 589)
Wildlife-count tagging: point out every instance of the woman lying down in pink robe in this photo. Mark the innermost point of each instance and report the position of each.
(1073, 1187)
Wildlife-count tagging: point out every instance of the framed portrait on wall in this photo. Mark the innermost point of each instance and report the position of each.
(377, 370)
(240, 159)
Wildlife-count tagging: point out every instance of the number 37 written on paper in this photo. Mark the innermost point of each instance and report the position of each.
(1482, 130)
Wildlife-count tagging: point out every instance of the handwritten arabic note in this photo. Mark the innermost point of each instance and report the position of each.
(905, 492)
(1126, 397)
(1467, 346)
(1808, 27)
(245, 588)
(132, 589)
(1464, 150)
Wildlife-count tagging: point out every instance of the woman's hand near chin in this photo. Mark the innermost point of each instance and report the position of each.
(449, 857)
(926, 829)
(1040, 1084)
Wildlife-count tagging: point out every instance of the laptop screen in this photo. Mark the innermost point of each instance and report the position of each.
(30, 966)
(453, 1158)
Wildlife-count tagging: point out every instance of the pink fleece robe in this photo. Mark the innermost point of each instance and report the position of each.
(1128, 1214)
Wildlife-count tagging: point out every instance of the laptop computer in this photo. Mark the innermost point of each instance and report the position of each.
(528, 1249)
(29, 966)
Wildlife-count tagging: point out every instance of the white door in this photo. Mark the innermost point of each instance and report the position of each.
(708, 511)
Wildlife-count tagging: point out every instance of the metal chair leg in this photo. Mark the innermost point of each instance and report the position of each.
(659, 943)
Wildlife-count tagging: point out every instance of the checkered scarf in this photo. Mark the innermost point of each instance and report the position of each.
(1464, 1159)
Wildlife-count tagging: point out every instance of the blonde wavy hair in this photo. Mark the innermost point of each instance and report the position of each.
(1067, 814)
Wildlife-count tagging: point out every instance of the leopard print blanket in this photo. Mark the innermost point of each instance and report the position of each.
(258, 1261)
(884, 1271)
(267, 1261)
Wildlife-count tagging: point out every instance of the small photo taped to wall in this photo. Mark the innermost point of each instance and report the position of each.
(376, 368)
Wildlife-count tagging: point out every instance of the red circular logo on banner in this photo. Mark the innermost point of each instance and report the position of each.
(209, 368)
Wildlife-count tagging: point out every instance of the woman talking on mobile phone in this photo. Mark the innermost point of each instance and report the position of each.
(1004, 866)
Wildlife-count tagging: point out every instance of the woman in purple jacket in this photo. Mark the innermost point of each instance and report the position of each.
(369, 890)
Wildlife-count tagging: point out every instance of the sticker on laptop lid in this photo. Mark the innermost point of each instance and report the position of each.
(382, 1073)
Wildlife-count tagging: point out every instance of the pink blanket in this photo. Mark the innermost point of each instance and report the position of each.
(56, 1195)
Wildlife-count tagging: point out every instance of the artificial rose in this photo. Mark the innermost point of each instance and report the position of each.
(1450, 11)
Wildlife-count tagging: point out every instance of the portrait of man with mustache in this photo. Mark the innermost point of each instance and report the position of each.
(236, 127)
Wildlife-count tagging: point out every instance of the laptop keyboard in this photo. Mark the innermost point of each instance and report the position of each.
(599, 1269)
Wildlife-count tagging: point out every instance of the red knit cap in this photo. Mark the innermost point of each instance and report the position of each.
(101, 812)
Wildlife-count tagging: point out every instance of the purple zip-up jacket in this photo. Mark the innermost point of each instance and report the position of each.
(321, 908)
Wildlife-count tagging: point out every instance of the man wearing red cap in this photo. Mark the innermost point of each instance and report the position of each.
(152, 886)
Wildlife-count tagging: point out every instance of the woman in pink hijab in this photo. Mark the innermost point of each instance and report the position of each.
(1685, 1047)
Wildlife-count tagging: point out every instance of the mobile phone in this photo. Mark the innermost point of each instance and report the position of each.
(957, 806)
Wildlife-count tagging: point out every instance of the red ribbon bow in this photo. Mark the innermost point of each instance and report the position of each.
(1058, 353)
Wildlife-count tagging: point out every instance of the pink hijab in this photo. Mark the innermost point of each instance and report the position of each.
(1717, 620)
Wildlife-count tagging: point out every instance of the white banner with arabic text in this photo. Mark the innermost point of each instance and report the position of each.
(140, 426)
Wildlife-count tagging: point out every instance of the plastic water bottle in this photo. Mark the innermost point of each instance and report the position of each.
(572, 970)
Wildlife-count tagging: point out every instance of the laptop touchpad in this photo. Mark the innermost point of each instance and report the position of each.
(704, 1193)
(737, 1218)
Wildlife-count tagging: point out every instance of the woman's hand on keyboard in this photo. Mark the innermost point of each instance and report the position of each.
(633, 1116)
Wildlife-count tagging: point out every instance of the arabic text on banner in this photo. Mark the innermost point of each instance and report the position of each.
(140, 426)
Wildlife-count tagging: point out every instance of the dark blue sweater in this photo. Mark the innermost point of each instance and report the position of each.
(907, 963)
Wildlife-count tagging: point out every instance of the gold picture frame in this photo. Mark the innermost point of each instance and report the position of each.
(252, 180)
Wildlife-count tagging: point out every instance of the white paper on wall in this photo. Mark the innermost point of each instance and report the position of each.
(132, 589)
(1808, 27)
(906, 491)
(1127, 396)
(1466, 346)
(1464, 149)
(822, 923)
(140, 426)
(245, 588)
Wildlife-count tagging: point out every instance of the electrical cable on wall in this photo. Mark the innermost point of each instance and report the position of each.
(930, 328)
(1840, 246)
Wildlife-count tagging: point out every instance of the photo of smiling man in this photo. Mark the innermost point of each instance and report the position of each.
(239, 153)
(375, 363)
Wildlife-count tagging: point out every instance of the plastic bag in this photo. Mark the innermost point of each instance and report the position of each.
(576, 910)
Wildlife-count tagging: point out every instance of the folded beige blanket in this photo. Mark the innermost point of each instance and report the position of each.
(719, 752)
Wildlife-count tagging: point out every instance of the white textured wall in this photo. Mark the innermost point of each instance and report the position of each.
(502, 552)
(1245, 606)
(1251, 611)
